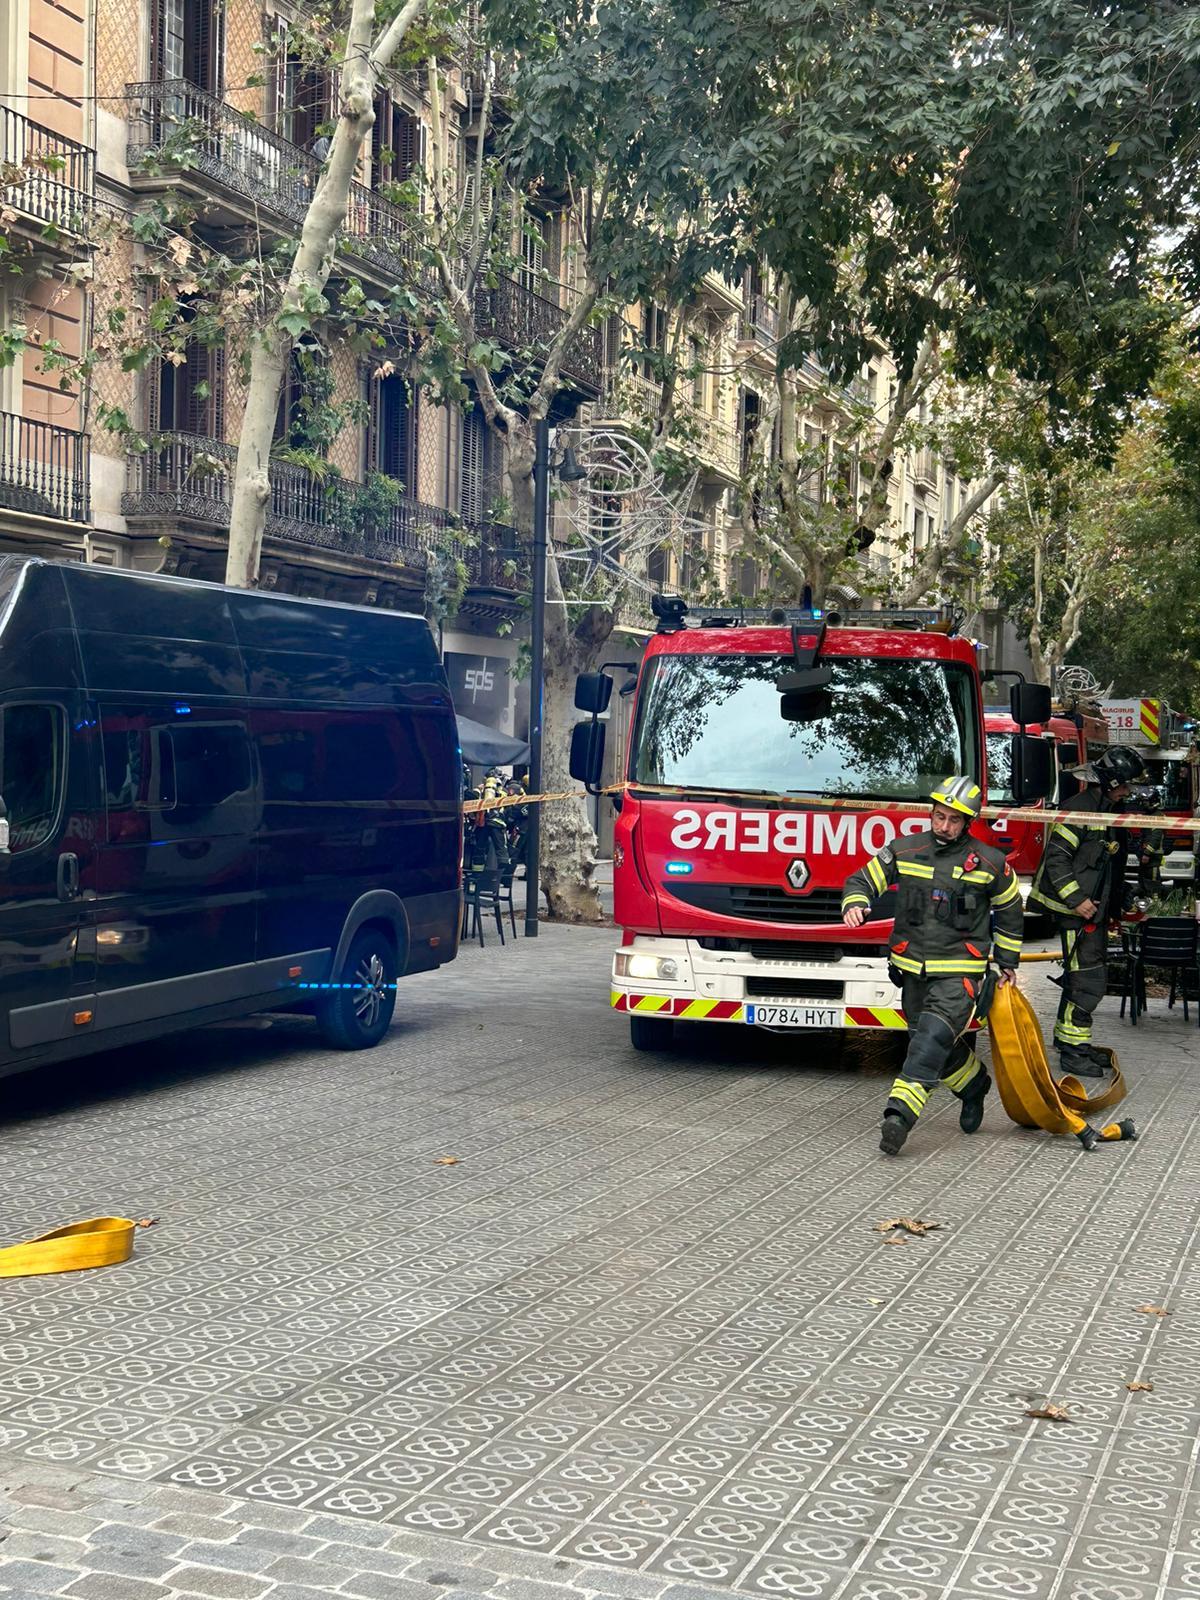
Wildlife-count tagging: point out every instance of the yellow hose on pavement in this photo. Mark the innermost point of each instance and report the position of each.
(1028, 1090)
(98, 1242)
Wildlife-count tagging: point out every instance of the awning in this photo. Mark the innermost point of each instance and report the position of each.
(487, 747)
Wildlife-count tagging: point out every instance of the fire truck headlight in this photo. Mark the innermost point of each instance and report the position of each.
(628, 965)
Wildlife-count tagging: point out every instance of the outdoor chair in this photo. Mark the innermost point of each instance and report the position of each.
(481, 895)
(1171, 943)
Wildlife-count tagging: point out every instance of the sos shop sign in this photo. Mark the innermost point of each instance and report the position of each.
(789, 833)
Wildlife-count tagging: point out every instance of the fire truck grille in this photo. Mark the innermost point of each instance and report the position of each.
(794, 989)
(760, 902)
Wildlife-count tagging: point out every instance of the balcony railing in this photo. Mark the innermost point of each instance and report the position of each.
(185, 128)
(925, 466)
(183, 475)
(44, 470)
(43, 175)
(521, 319)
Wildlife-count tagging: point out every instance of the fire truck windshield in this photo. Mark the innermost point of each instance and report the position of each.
(1173, 782)
(884, 729)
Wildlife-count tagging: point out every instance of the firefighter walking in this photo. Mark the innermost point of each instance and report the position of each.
(949, 887)
(1081, 871)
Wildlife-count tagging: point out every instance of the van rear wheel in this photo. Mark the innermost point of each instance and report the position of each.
(651, 1033)
(358, 1012)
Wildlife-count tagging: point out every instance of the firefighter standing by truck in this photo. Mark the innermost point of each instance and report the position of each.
(948, 886)
(1082, 871)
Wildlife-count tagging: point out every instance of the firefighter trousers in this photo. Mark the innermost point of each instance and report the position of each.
(1085, 978)
(938, 1012)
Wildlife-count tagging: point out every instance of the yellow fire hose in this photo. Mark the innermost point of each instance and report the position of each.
(97, 1242)
(1029, 1092)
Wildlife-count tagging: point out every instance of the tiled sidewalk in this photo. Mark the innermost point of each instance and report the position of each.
(641, 1333)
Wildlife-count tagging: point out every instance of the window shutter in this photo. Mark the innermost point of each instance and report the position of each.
(381, 138)
(158, 41)
(476, 484)
(216, 404)
(202, 46)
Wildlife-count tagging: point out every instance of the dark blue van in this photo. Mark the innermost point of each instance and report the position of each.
(218, 801)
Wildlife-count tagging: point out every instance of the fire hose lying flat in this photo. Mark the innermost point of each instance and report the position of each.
(98, 1242)
(1029, 1091)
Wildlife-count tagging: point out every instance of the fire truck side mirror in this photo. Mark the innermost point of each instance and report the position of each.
(1068, 754)
(1033, 771)
(593, 691)
(1030, 702)
(587, 754)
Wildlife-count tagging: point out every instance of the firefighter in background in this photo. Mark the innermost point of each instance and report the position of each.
(486, 833)
(1148, 843)
(518, 824)
(948, 888)
(1081, 879)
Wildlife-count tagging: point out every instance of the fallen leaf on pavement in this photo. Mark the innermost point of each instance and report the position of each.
(446, 1161)
(146, 1222)
(909, 1225)
(1138, 1387)
(1048, 1413)
(1154, 1311)
(894, 1240)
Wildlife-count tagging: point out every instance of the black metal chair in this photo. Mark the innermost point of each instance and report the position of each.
(1171, 943)
(481, 894)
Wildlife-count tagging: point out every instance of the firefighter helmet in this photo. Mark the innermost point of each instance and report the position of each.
(1119, 766)
(960, 794)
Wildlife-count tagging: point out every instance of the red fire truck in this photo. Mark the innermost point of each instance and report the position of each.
(767, 760)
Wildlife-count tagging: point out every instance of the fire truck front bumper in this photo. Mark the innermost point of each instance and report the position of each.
(681, 980)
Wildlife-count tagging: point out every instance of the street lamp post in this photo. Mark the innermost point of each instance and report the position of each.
(537, 673)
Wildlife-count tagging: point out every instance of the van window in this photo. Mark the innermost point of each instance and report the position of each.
(212, 764)
(166, 778)
(31, 772)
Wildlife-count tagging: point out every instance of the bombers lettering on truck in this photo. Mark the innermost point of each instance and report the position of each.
(788, 832)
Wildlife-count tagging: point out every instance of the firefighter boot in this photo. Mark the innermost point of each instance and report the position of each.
(893, 1134)
(1098, 1054)
(970, 1110)
(1080, 1062)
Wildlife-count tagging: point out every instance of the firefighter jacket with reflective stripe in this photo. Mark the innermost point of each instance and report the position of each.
(1078, 861)
(946, 898)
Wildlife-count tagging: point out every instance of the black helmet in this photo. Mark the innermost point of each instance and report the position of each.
(1119, 766)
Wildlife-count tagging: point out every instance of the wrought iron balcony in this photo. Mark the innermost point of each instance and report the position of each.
(47, 178)
(188, 477)
(44, 470)
(520, 319)
(176, 127)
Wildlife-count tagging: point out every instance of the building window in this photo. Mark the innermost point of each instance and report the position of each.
(699, 375)
(397, 144)
(539, 252)
(187, 41)
(301, 96)
(478, 476)
(188, 396)
(392, 430)
(654, 341)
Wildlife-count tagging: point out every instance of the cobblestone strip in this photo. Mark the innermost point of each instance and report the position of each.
(64, 1532)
